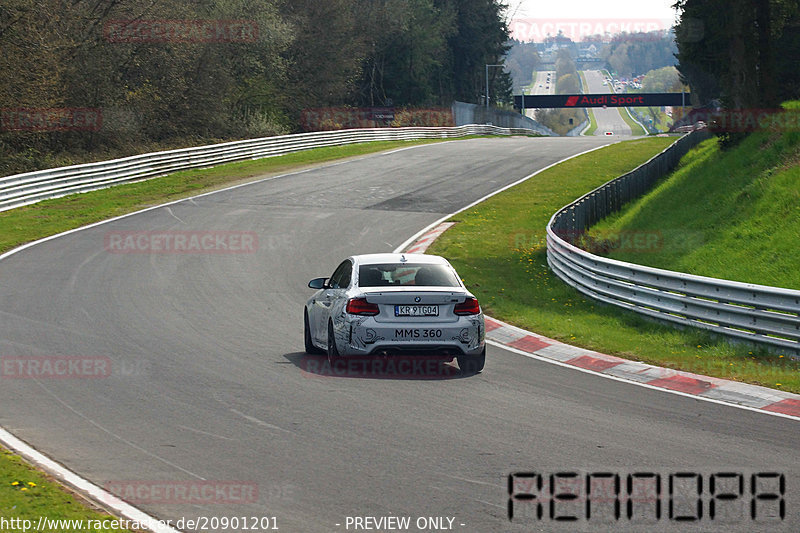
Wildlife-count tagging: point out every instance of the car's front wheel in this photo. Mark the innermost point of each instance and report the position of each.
(333, 352)
(310, 348)
(472, 364)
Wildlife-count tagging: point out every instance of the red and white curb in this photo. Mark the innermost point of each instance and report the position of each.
(713, 389)
(427, 239)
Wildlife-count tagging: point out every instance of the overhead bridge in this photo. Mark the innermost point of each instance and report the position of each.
(602, 100)
(581, 61)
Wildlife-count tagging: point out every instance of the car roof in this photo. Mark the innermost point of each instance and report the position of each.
(376, 259)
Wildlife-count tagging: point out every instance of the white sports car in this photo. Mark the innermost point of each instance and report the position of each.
(393, 304)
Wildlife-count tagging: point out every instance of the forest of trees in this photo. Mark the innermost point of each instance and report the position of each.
(183, 72)
(567, 82)
(522, 61)
(634, 54)
(662, 80)
(744, 52)
(186, 71)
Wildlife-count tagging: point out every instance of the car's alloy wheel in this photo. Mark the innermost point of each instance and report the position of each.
(333, 352)
(472, 364)
(310, 348)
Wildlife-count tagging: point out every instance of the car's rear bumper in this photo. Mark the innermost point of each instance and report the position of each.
(369, 337)
(443, 351)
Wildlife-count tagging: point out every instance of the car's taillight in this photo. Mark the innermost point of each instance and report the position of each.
(360, 306)
(469, 306)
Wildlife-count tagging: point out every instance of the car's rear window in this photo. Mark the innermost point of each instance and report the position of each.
(405, 274)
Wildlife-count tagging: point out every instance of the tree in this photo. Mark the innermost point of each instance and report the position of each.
(663, 80)
(630, 54)
(328, 53)
(480, 38)
(522, 61)
(733, 49)
(157, 89)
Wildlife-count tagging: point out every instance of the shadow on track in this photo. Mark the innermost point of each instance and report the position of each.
(421, 367)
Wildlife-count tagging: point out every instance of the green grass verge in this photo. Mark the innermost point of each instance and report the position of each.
(663, 121)
(29, 223)
(499, 247)
(732, 214)
(592, 123)
(584, 83)
(636, 128)
(590, 115)
(27, 494)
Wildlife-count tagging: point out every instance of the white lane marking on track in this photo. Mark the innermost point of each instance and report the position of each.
(118, 437)
(490, 503)
(429, 227)
(201, 432)
(66, 476)
(471, 480)
(73, 479)
(260, 422)
(173, 215)
(191, 199)
(637, 383)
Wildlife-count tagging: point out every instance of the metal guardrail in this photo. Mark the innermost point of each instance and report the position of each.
(32, 187)
(464, 114)
(756, 313)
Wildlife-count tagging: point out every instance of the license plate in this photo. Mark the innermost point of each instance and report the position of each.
(415, 334)
(416, 310)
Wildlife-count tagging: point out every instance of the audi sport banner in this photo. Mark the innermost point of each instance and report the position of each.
(604, 100)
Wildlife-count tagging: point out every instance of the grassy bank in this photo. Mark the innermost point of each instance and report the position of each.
(732, 215)
(29, 223)
(662, 121)
(592, 124)
(499, 248)
(27, 494)
(589, 114)
(636, 128)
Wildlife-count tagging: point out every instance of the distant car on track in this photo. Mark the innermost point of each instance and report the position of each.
(395, 304)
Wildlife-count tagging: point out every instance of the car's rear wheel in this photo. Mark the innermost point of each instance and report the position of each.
(333, 352)
(310, 348)
(472, 364)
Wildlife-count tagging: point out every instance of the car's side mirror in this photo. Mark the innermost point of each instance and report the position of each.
(318, 283)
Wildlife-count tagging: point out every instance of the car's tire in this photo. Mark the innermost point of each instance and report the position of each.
(472, 364)
(333, 352)
(310, 348)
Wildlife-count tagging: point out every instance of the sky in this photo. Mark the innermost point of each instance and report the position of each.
(534, 17)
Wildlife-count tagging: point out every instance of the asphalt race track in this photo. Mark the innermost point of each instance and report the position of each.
(607, 119)
(209, 382)
(541, 87)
